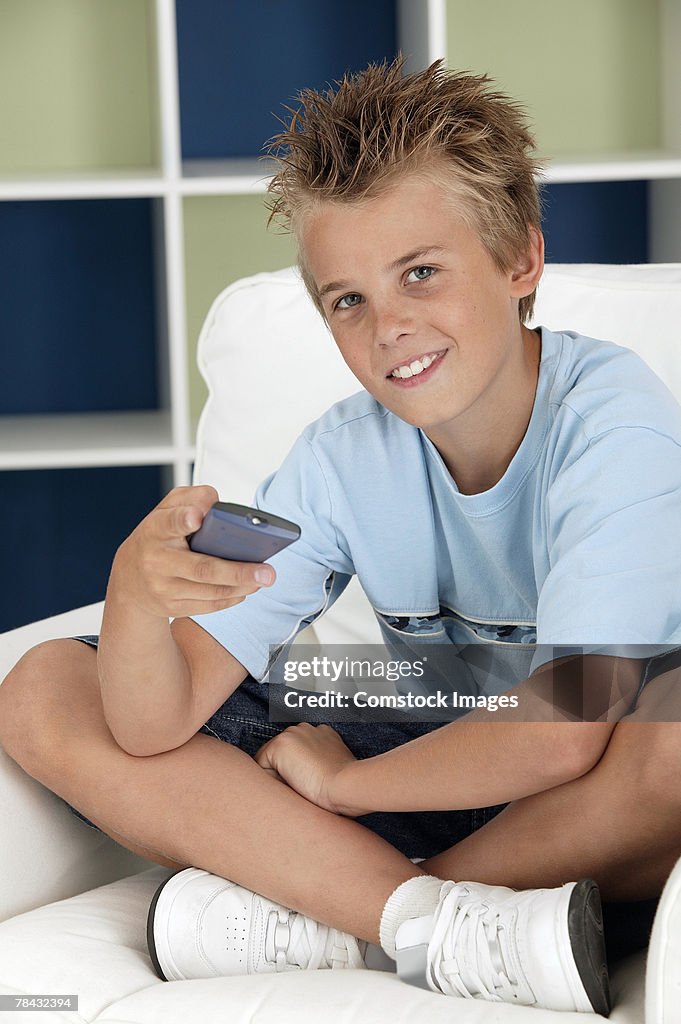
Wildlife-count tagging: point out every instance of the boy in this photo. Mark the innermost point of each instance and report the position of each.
(491, 481)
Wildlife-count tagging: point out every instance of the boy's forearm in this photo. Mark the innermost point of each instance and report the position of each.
(479, 761)
(458, 766)
(144, 679)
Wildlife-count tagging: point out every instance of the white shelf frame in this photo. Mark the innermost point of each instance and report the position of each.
(245, 177)
(61, 440)
(165, 436)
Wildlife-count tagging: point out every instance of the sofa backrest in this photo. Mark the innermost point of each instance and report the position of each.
(634, 305)
(272, 367)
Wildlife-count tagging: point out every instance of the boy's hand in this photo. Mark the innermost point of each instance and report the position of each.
(309, 758)
(155, 570)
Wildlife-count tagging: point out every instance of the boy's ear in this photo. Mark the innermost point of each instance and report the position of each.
(530, 266)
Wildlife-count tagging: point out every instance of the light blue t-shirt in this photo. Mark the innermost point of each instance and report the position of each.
(578, 544)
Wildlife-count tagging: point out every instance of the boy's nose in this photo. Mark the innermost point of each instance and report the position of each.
(392, 324)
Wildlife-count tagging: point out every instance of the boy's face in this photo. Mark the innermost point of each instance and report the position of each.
(404, 283)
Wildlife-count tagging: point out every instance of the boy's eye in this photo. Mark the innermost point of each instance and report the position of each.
(353, 299)
(422, 273)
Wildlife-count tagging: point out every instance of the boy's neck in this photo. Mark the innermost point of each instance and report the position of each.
(478, 456)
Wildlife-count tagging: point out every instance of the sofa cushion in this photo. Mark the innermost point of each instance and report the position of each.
(663, 971)
(636, 305)
(94, 945)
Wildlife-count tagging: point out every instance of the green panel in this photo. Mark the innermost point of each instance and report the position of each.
(226, 237)
(75, 85)
(586, 70)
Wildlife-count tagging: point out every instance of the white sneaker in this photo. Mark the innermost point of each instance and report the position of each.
(542, 947)
(202, 926)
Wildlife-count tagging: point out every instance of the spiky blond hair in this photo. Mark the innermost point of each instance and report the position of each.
(352, 143)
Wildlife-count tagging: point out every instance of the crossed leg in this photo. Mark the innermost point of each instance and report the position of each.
(205, 803)
(208, 804)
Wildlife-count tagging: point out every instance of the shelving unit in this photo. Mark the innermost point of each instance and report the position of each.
(602, 83)
(207, 206)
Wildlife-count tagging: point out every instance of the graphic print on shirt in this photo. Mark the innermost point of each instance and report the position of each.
(466, 655)
(524, 633)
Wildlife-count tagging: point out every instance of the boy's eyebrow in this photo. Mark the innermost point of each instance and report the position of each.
(417, 254)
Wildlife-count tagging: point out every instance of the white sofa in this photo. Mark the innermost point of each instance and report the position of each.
(73, 903)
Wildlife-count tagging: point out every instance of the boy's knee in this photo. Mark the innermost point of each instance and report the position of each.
(25, 696)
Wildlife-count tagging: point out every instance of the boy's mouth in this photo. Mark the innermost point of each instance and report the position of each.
(418, 370)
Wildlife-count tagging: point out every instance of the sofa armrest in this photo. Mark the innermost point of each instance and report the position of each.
(77, 622)
(46, 853)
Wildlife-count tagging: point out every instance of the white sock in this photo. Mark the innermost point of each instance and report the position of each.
(417, 897)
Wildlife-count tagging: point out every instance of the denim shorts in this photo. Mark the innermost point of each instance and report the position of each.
(244, 721)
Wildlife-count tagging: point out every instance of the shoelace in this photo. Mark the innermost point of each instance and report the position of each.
(465, 953)
(296, 941)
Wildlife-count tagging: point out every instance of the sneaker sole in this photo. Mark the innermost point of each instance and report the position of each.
(151, 943)
(587, 938)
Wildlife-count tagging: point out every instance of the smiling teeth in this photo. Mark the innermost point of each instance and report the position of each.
(413, 369)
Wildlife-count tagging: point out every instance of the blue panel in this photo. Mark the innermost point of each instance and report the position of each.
(240, 62)
(596, 222)
(77, 317)
(65, 526)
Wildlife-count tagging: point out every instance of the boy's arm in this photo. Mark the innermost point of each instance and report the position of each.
(160, 682)
(478, 761)
(167, 681)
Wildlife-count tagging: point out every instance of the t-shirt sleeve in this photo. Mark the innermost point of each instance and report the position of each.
(613, 520)
(311, 573)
